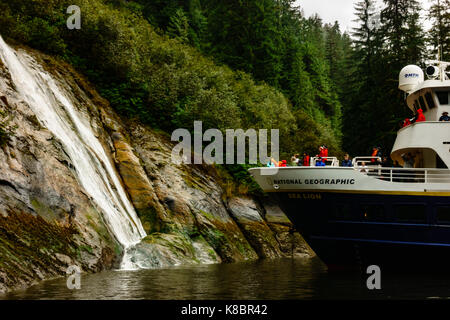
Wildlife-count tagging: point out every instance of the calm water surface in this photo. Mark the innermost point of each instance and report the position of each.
(280, 279)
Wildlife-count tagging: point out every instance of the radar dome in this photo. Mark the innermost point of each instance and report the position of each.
(410, 77)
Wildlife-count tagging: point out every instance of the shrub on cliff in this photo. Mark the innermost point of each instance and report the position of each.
(6, 130)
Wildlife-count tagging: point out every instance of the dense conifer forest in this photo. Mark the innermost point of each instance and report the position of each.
(243, 63)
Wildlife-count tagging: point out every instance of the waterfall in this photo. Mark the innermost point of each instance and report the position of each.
(94, 169)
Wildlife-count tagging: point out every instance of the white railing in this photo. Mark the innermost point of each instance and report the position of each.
(408, 175)
(405, 175)
(368, 161)
(330, 161)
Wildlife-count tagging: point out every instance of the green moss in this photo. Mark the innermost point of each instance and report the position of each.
(97, 224)
(29, 243)
(87, 249)
(178, 243)
(43, 210)
(207, 215)
(149, 219)
(118, 249)
(244, 248)
(194, 182)
(214, 237)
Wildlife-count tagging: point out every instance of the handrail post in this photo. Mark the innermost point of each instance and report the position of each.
(426, 176)
(391, 174)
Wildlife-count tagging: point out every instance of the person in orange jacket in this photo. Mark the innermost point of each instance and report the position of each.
(374, 154)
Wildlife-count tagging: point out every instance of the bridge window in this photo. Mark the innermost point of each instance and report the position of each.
(422, 103)
(443, 215)
(411, 213)
(443, 97)
(373, 212)
(439, 163)
(430, 100)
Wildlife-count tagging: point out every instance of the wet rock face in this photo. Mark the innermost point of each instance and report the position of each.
(47, 221)
(190, 202)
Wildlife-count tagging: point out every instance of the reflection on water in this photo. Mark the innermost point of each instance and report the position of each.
(280, 279)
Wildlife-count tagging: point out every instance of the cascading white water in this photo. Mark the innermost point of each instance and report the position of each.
(94, 169)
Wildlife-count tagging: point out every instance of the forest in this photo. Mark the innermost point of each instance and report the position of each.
(243, 63)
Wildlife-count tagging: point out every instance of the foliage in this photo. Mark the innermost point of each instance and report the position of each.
(236, 180)
(144, 57)
(439, 36)
(383, 46)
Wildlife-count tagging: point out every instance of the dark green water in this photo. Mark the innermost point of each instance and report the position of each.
(281, 279)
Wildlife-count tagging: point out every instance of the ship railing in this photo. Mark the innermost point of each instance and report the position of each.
(368, 161)
(329, 162)
(407, 175)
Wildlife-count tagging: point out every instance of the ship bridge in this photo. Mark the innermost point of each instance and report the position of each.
(429, 141)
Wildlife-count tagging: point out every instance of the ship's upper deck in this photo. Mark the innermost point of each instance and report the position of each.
(428, 141)
(433, 96)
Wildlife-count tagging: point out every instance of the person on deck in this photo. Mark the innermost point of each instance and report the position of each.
(363, 168)
(347, 162)
(409, 160)
(420, 115)
(386, 163)
(379, 155)
(406, 122)
(325, 152)
(320, 154)
(444, 117)
(374, 154)
(295, 160)
(272, 163)
(306, 159)
(320, 162)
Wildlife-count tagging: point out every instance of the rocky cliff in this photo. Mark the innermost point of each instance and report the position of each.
(48, 221)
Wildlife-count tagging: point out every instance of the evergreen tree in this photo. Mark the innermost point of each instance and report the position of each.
(360, 89)
(179, 26)
(403, 43)
(403, 32)
(246, 35)
(440, 32)
(378, 105)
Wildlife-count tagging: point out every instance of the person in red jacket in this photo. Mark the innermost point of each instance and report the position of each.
(406, 122)
(320, 154)
(325, 153)
(420, 115)
(306, 159)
